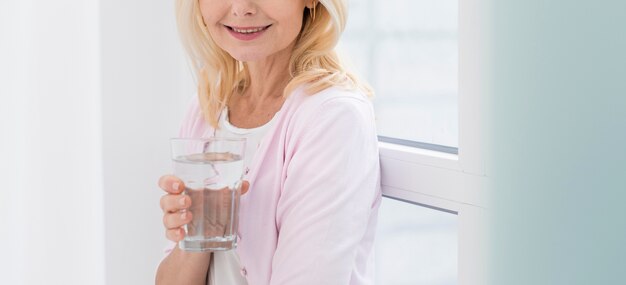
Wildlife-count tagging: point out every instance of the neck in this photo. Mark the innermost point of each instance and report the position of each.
(270, 76)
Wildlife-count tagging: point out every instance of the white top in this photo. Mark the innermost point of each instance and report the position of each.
(225, 266)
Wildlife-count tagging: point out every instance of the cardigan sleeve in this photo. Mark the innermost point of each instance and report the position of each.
(324, 215)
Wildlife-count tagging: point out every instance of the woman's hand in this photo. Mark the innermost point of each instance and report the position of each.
(175, 205)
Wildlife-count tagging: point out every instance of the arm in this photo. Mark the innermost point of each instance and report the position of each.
(331, 186)
(181, 267)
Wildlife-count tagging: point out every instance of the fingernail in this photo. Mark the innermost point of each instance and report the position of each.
(182, 201)
(183, 216)
(175, 185)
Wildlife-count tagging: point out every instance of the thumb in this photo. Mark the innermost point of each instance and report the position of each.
(244, 187)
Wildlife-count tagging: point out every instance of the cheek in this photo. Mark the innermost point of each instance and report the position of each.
(212, 11)
(294, 29)
(209, 10)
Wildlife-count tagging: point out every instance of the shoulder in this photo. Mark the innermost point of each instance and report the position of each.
(329, 95)
(329, 102)
(329, 111)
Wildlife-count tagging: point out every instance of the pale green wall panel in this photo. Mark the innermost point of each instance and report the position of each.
(558, 142)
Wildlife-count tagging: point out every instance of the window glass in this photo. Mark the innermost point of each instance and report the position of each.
(408, 51)
(415, 245)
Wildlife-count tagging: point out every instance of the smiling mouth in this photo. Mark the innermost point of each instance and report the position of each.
(247, 30)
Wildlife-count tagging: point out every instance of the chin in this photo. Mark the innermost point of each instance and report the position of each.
(248, 56)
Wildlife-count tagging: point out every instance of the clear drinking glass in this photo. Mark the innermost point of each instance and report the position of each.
(212, 170)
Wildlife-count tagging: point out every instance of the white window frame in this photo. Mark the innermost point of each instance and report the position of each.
(449, 181)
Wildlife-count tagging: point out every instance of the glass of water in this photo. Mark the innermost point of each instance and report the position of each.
(212, 170)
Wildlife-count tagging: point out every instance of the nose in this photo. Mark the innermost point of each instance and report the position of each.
(244, 8)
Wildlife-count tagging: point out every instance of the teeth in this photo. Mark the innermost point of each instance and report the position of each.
(247, 31)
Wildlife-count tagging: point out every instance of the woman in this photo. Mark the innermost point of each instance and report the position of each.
(267, 71)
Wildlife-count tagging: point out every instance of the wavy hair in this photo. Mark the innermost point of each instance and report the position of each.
(314, 63)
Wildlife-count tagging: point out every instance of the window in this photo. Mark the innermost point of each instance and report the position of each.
(425, 60)
(408, 51)
(416, 239)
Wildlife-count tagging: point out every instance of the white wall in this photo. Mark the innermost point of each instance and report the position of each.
(90, 93)
(51, 213)
(145, 85)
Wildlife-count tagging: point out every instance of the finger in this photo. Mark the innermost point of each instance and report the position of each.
(171, 184)
(244, 187)
(175, 234)
(171, 203)
(176, 220)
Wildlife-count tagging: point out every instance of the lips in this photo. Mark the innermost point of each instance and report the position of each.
(247, 33)
(247, 30)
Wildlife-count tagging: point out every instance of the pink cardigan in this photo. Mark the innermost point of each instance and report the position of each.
(310, 214)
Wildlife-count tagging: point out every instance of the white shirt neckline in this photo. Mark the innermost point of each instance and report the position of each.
(224, 122)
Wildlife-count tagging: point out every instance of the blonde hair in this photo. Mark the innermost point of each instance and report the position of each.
(313, 64)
